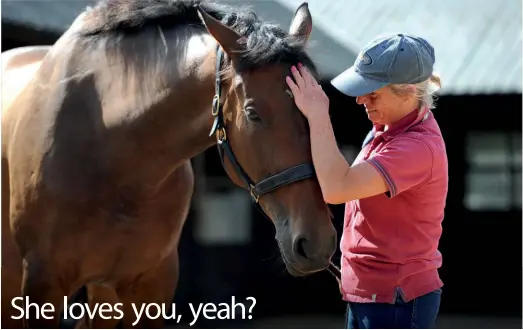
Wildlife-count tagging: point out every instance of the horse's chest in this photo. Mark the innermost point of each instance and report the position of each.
(152, 220)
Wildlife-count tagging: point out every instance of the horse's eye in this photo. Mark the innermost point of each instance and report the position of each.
(251, 113)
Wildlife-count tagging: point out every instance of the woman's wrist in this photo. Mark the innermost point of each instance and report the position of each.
(318, 116)
(319, 120)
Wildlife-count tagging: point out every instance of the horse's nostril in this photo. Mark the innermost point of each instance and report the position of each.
(300, 247)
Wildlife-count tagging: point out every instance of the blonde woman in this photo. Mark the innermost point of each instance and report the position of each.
(395, 191)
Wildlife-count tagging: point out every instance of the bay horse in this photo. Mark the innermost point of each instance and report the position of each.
(97, 143)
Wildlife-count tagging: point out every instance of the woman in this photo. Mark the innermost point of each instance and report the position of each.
(394, 192)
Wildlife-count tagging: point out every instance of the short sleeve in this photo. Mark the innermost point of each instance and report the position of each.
(405, 162)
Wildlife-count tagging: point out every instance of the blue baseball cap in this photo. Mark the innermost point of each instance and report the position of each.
(397, 58)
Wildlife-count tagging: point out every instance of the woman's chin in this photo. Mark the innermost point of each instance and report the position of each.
(374, 117)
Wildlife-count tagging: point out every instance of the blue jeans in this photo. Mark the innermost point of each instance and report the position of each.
(420, 312)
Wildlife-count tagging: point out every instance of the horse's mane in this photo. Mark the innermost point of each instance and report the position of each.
(266, 43)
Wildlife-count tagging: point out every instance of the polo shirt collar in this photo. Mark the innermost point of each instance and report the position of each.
(411, 119)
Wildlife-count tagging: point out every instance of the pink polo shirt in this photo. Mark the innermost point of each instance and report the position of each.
(390, 241)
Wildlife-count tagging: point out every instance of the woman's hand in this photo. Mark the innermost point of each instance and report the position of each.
(308, 94)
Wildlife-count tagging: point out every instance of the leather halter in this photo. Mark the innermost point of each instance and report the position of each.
(269, 184)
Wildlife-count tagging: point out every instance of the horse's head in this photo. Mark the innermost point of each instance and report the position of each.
(260, 130)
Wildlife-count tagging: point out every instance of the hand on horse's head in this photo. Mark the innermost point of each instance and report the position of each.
(308, 94)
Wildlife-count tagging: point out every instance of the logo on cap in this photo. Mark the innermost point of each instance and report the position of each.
(364, 58)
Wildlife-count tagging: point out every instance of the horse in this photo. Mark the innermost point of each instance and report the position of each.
(97, 144)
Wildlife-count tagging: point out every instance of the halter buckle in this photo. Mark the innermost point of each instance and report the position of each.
(253, 194)
(221, 134)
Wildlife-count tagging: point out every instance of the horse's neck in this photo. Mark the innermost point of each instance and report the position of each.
(189, 105)
(177, 126)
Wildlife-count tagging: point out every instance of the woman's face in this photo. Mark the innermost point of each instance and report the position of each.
(384, 107)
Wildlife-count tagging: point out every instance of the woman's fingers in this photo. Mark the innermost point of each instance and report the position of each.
(307, 78)
(297, 77)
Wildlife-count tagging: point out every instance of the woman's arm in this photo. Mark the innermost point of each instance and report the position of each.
(339, 181)
(404, 163)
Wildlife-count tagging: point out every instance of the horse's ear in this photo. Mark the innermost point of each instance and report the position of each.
(301, 25)
(225, 36)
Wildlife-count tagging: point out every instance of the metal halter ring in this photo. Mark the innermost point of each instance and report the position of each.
(215, 105)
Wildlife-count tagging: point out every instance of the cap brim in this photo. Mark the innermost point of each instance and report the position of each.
(352, 83)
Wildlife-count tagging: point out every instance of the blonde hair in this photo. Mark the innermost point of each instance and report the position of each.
(423, 91)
